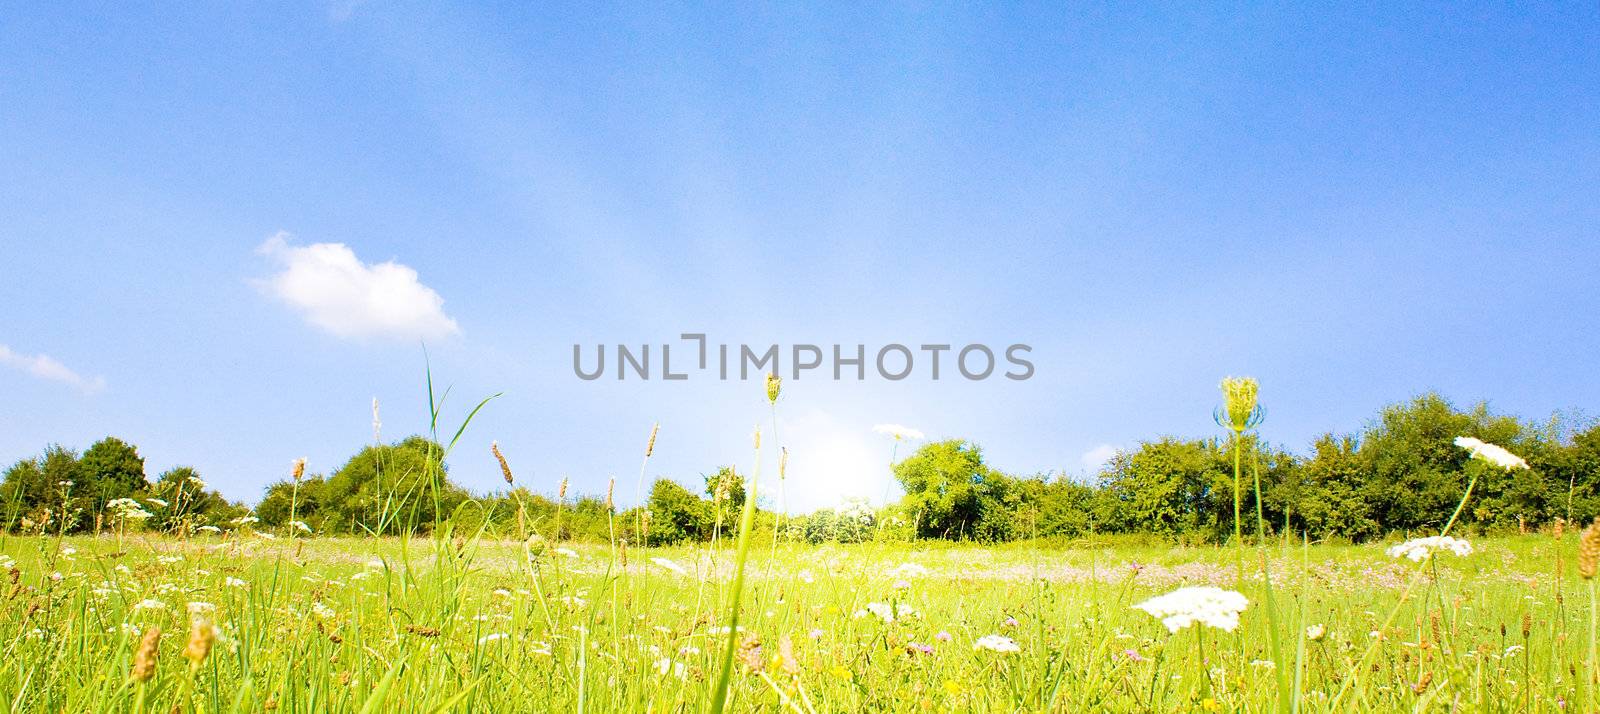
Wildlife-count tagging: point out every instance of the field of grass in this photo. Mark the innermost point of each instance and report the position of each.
(369, 625)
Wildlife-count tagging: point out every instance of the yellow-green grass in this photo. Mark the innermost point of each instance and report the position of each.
(345, 624)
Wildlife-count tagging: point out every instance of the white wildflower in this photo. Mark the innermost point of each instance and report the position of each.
(300, 526)
(669, 565)
(209, 529)
(201, 608)
(159, 503)
(909, 570)
(1419, 549)
(1204, 604)
(234, 582)
(486, 639)
(1315, 633)
(899, 433)
(996, 643)
(568, 552)
(1485, 451)
(149, 604)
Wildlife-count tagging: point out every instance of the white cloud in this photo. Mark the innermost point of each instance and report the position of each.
(329, 286)
(45, 367)
(1096, 458)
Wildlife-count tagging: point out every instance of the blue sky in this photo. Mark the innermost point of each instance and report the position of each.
(1353, 204)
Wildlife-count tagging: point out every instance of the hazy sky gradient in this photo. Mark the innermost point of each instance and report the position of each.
(1352, 204)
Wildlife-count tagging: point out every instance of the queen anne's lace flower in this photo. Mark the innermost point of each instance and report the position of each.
(1206, 605)
(996, 643)
(669, 565)
(1419, 549)
(1491, 453)
(900, 433)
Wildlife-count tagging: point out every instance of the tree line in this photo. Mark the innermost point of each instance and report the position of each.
(1400, 473)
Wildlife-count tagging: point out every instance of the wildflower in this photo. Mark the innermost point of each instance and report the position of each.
(1010, 622)
(952, 687)
(915, 648)
(1315, 633)
(322, 611)
(1493, 454)
(568, 552)
(245, 520)
(209, 529)
(1419, 549)
(909, 570)
(1266, 664)
(144, 658)
(774, 386)
(201, 608)
(1133, 655)
(234, 582)
(505, 468)
(492, 637)
(299, 471)
(128, 508)
(996, 643)
(1240, 411)
(750, 654)
(198, 483)
(1207, 605)
(884, 612)
(159, 503)
(815, 634)
(669, 565)
(300, 526)
(942, 636)
(149, 604)
(899, 433)
(901, 585)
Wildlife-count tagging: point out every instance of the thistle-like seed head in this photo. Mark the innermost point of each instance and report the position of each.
(774, 386)
(505, 468)
(144, 658)
(1240, 412)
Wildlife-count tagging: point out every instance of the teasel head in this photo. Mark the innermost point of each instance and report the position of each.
(505, 468)
(144, 658)
(299, 469)
(1239, 411)
(650, 447)
(774, 386)
(1589, 549)
(202, 634)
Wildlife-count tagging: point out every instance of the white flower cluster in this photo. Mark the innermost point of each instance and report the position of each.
(900, 433)
(1204, 604)
(997, 643)
(1491, 453)
(128, 508)
(1419, 549)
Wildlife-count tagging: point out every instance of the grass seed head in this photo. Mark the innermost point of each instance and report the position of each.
(144, 658)
(299, 468)
(201, 636)
(1589, 549)
(611, 491)
(562, 492)
(650, 447)
(505, 468)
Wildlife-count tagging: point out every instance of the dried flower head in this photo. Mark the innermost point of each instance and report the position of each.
(774, 386)
(144, 658)
(505, 468)
(1589, 549)
(1240, 412)
(299, 468)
